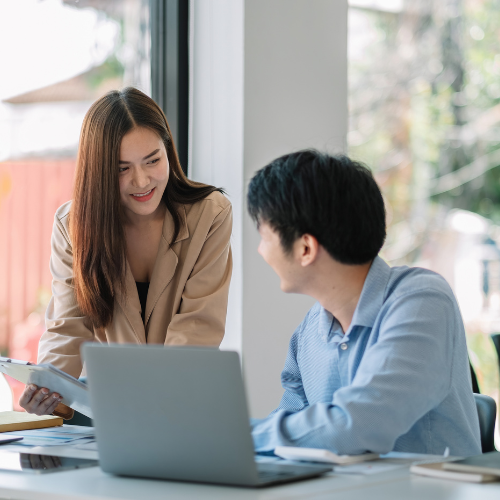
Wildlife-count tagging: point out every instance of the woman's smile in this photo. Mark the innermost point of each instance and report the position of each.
(141, 197)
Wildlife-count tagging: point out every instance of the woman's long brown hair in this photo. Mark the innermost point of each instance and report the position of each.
(99, 252)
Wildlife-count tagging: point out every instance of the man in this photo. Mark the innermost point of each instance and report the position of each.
(380, 362)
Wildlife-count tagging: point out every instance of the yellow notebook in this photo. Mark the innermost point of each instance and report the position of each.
(22, 421)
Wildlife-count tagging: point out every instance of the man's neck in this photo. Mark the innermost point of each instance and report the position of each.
(338, 288)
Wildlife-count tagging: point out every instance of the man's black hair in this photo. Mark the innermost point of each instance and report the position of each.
(332, 198)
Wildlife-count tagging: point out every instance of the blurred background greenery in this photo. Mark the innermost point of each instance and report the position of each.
(424, 111)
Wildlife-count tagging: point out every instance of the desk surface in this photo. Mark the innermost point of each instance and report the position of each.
(94, 484)
(394, 482)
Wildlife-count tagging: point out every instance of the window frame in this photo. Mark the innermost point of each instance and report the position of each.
(169, 27)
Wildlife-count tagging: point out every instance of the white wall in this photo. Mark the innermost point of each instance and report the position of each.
(295, 97)
(216, 123)
(268, 77)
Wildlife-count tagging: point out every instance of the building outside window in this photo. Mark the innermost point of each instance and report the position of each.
(58, 57)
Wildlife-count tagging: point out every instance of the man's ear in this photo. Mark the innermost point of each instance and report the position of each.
(308, 248)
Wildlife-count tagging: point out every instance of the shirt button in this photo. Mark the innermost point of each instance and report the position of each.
(343, 346)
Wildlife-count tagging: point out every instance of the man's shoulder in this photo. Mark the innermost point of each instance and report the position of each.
(404, 280)
(313, 313)
(310, 319)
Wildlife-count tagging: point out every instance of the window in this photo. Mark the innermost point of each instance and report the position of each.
(425, 115)
(67, 54)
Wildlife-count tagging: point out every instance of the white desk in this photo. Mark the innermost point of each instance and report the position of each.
(92, 484)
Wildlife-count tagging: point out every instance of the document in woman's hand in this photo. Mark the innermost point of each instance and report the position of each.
(73, 392)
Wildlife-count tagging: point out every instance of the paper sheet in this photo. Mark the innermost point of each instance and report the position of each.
(91, 446)
(55, 436)
(65, 451)
(389, 462)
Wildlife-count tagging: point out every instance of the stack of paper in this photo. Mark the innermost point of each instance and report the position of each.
(73, 435)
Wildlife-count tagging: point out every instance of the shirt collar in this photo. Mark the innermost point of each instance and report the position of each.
(369, 304)
(372, 296)
(329, 328)
(325, 323)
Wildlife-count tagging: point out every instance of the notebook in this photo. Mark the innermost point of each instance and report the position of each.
(21, 421)
(436, 470)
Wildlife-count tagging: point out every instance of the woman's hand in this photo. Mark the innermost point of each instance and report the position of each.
(39, 401)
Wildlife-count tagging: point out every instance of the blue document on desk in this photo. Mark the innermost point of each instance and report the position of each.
(73, 392)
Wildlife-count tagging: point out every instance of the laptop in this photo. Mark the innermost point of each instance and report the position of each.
(177, 413)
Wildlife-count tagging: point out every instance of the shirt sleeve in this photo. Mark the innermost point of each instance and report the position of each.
(413, 355)
(66, 327)
(294, 398)
(201, 318)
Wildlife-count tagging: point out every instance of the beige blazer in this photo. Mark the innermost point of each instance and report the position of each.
(187, 298)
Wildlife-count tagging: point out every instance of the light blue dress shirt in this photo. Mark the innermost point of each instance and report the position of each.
(398, 380)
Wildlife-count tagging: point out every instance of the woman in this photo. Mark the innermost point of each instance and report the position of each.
(142, 254)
